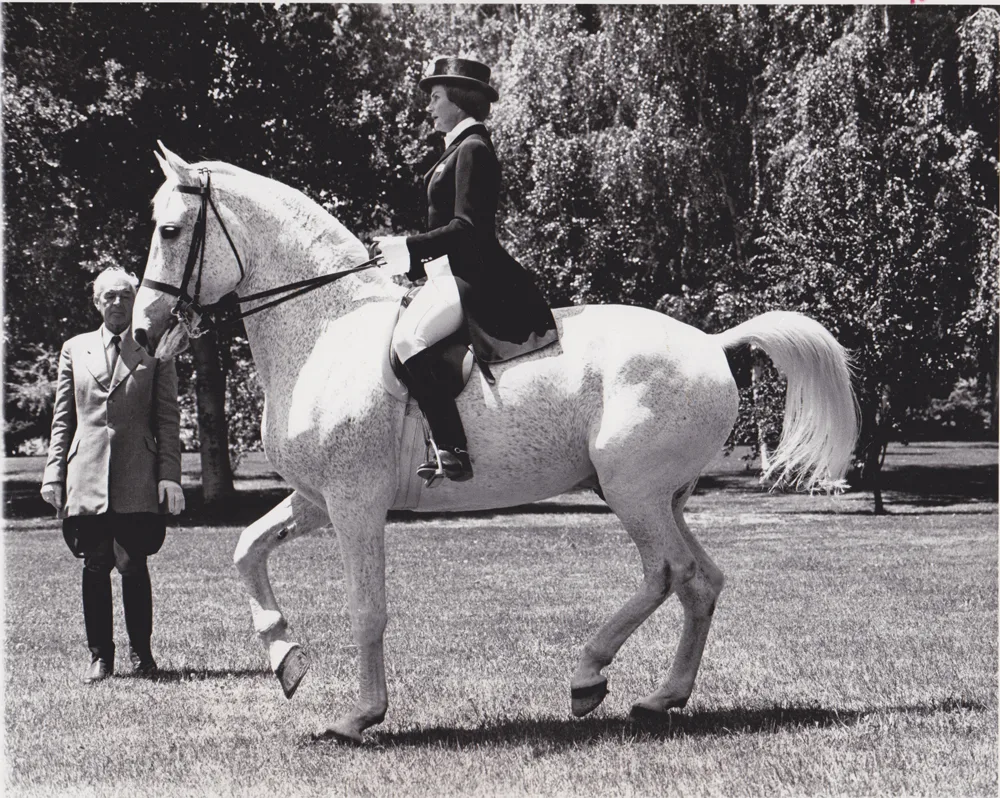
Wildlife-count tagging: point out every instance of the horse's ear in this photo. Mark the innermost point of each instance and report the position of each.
(165, 167)
(174, 166)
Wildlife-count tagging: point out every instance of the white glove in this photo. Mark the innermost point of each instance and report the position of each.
(395, 253)
(171, 492)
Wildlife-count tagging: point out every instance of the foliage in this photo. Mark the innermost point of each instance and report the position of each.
(710, 161)
(619, 135)
(874, 195)
(962, 415)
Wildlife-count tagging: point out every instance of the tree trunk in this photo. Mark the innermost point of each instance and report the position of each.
(873, 472)
(756, 377)
(213, 429)
(989, 370)
(875, 431)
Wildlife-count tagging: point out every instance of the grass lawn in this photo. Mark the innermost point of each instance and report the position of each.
(851, 654)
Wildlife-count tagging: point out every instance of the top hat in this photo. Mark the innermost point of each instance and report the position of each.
(460, 72)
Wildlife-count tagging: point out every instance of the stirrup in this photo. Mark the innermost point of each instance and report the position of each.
(434, 470)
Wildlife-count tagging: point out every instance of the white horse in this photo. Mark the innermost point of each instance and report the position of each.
(629, 400)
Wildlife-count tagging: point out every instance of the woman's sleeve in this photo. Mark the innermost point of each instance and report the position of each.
(476, 191)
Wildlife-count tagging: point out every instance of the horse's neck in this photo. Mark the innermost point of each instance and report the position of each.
(293, 245)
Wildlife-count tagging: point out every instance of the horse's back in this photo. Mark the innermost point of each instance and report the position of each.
(624, 346)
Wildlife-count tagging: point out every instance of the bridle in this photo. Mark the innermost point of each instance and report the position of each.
(188, 305)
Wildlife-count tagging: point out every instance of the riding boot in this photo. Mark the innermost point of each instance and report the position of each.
(442, 417)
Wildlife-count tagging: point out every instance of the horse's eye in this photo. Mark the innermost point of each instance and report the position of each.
(170, 231)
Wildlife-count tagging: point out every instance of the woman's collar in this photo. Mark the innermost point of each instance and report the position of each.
(460, 128)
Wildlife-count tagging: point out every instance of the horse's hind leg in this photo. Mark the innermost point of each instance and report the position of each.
(293, 517)
(666, 562)
(672, 561)
(697, 596)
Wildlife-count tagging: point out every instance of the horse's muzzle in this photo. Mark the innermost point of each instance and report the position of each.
(141, 338)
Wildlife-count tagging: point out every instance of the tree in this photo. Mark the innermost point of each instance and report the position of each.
(871, 224)
(712, 162)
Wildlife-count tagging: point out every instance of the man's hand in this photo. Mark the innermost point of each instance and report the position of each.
(171, 493)
(53, 494)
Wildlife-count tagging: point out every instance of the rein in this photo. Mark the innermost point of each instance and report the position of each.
(187, 304)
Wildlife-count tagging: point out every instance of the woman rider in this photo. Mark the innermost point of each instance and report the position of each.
(471, 279)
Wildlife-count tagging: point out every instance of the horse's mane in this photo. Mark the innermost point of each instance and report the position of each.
(297, 202)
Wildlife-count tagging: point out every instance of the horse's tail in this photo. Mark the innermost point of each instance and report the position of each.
(821, 411)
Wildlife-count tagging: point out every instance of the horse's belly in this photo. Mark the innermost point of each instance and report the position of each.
(520, 454)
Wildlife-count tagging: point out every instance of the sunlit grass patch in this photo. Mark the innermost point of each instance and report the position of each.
(850, 655)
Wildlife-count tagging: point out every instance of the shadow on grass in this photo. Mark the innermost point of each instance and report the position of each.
(198, 675)
(552, 735)
(917, 486)
(21, 501)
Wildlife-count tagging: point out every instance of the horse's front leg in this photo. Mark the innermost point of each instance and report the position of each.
(361, 531)
(293, 517)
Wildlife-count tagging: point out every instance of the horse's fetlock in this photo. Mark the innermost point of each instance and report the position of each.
(269, 622)
(600, 659)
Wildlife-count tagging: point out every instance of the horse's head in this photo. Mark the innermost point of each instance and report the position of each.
(193, 259)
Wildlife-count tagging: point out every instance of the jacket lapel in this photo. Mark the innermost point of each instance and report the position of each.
(128, 360)
(96, 360)
(480, 129)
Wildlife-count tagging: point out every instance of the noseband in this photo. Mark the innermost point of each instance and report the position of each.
(188, 305)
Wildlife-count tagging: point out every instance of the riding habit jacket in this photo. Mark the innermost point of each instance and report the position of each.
(505, 312)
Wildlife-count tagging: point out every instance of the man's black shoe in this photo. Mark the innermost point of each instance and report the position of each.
(98, 670)
(143, 664)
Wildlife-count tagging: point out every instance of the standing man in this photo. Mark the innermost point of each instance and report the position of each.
(114, 460)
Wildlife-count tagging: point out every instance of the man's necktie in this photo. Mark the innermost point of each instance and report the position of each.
(115, 351)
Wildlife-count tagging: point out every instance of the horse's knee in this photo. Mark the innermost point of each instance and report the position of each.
(701, 589)
(717, 580)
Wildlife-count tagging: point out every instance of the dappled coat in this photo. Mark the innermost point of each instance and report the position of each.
(506, 314)
(114, 436)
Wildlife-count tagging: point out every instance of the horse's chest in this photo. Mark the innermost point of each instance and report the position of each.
(331, 438)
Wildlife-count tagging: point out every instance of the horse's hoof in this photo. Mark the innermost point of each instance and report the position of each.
(584, 700)
(332, 735)
(650, 716)
(291, 670)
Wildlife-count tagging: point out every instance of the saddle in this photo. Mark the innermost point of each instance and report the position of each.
(452, 360)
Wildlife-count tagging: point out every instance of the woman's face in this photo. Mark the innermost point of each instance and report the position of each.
(443, 111)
